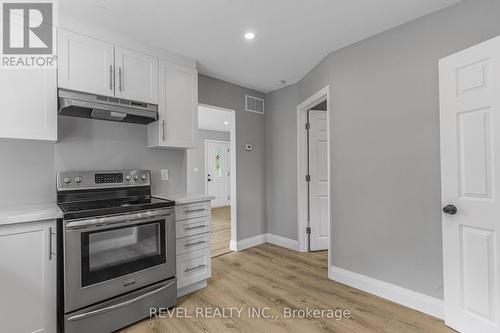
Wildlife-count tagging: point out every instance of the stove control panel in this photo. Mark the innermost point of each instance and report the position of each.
(76, 180)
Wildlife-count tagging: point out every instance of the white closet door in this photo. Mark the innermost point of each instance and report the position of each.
(318, 166)
(470, 165)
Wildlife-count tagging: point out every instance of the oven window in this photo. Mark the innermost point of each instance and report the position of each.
(115, 252)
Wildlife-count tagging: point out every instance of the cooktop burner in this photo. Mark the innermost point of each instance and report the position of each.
(85, 194)
(76, 210)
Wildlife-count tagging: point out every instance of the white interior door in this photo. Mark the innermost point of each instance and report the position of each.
(318, 169)
(136, 76)
(217, 171)
(470, 152)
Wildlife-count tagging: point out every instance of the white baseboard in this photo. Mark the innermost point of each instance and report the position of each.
(261, 239)
(283, 242)
(409, 298)
(250, 242)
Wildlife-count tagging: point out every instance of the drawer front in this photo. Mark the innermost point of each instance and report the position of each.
(191, 211)
(193, 267)
(193, 243)
(192, 227)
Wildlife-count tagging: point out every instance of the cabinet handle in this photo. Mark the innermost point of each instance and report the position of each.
(193, 268)
(163, 130)
(193, 244)
(51, 253)
(120, 78)
(197, 227)
(110, 77)
(194, 210)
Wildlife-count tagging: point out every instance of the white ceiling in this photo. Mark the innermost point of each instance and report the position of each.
(213, 119)
(292, 35)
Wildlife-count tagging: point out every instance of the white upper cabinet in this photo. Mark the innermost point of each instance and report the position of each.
(136, 76)
(28, 104)
(85, 64)
(93, 66)
(178, 108)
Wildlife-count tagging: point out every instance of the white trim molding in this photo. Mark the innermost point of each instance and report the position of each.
(250, 242)
(318, 97)
(233, 191)
(283, 242)
(264, 238)
(409, 298)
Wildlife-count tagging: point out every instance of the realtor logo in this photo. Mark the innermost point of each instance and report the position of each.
(28, 29)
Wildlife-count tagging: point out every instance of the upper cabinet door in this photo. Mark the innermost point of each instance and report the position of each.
(136, 76)
(85, 64)
(28, 104)
(178, 107)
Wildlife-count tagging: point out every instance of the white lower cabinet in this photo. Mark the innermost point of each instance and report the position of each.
(194, 258)
(193, 267)
(28, 277)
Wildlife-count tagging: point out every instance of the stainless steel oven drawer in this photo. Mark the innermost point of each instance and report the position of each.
(193, 227)
(111, 315)
(193, 243)
(193, 210)
(193, 267)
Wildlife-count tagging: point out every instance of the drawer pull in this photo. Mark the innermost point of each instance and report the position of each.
(196, 227)
(194, 268)
(193, 244)
(194, 210)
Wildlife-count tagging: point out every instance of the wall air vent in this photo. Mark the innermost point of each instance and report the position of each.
(254, 104)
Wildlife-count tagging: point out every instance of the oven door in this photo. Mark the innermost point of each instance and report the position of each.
(109, 256)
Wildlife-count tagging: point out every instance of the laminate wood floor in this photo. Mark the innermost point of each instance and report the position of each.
(221, 230)
(277, 278)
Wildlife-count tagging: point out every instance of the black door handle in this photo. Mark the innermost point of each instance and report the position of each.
(450, 209)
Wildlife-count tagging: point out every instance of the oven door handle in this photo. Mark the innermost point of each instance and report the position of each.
(120, 305)
(78, 224)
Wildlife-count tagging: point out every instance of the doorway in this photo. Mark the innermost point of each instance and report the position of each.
(212, 171)
(313, 173)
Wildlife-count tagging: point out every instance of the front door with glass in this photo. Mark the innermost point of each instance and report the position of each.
(217, 170)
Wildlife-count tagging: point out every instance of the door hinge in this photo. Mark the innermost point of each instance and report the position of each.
(308, 126)
(308, 230)
(308, 178)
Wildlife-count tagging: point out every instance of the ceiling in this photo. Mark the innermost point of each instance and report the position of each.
(292, 36)
(213, 119)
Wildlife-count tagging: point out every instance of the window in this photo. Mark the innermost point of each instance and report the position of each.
(218, 162)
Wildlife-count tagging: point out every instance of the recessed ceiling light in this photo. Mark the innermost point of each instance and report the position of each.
(249, 35)
(226, 123)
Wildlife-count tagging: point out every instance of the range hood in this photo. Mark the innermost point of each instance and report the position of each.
(84, 105)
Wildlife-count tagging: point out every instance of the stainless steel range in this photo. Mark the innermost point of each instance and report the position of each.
(118, 247)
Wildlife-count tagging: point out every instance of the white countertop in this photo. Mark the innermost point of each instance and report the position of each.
(184, 198)
(29, 213)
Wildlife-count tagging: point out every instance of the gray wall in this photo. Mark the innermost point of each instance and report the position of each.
(385, 145)
(281, 142)
(29, 166)
(250, 166)
(195, 158)
(84, 144)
